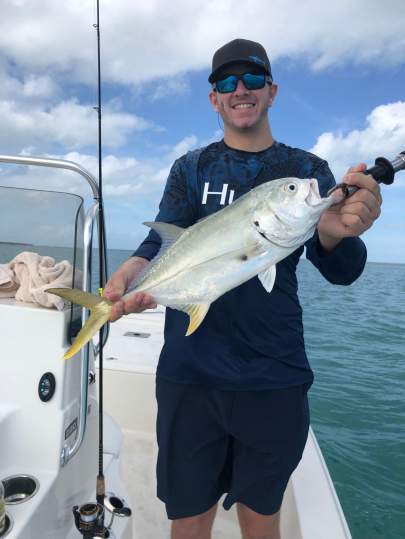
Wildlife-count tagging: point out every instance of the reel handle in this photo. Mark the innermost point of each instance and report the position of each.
(383, 172)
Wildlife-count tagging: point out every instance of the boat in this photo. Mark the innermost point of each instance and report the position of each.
(49, 406)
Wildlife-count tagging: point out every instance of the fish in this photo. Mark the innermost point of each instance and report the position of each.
(198, 264)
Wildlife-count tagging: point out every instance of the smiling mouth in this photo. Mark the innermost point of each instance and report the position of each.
(243, 106)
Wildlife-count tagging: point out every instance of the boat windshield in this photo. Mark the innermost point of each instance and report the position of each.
(47, 223)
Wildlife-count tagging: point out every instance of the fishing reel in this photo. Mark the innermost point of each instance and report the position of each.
(89, 520)
(90, 517)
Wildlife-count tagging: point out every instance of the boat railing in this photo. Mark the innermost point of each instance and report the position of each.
(92, 216)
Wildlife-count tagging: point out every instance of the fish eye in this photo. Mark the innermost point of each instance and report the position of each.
(291, 187)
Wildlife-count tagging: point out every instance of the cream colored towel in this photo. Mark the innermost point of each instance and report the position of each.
(35, 273)
(8, 284)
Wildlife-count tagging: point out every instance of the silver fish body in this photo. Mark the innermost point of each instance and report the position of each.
(227, 248)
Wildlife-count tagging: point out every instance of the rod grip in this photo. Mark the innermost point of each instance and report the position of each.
(382, 171)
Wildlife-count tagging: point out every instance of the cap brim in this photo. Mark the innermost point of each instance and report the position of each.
(213, 77)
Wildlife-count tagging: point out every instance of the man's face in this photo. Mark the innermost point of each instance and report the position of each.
(243, 109)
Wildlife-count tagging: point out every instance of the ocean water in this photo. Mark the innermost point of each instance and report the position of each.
(355, 340)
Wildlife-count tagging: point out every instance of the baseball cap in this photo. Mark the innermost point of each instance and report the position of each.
(238, 51)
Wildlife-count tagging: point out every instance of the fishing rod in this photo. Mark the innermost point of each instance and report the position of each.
(100, 490)
(90, 517)
(383, 171)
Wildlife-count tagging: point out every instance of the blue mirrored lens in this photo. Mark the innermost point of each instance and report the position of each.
(250, 81)
(227, 85)
(253, 82)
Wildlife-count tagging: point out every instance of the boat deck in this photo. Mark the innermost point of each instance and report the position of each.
(311, 509)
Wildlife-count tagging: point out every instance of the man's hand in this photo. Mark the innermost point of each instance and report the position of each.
(355, 214)
(118, 284)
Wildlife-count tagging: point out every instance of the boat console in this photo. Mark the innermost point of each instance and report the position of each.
(48, 405)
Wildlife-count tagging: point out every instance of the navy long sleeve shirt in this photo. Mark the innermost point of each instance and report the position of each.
(249, 339)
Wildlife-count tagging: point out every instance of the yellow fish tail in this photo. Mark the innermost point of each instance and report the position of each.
(100, 313)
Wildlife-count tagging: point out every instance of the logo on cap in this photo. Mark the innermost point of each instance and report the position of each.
(256, 59)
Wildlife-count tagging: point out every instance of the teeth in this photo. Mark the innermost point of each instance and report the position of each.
(244, 106)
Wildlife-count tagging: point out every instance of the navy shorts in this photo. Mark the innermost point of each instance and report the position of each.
(243, 443)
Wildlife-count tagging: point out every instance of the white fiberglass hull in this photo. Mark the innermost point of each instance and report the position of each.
(33, 432)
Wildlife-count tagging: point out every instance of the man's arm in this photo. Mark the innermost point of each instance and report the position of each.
(335, 249)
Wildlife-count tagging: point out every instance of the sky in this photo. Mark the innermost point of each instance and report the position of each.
(339, 65)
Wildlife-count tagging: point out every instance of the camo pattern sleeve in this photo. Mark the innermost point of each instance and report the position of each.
(175, 208)
(346, 262)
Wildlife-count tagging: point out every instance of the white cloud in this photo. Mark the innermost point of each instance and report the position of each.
(167, 87)
(28, 87)
(383, 135)
(42, 87)
(188, 143)
(144, 40)
(68, 123)
(122, 176)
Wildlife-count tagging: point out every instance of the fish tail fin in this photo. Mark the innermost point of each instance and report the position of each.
(100, 313)
(97, 318)
(74, 295)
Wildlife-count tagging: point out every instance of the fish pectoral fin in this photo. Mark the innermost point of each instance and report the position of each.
(267, 278)
(74, 295)
(196, 312)
(98, 317)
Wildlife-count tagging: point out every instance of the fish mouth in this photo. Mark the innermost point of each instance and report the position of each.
(314, 199)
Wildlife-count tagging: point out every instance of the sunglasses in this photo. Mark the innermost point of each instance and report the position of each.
(250, 81)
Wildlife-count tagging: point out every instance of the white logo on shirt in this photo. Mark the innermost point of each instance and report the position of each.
(223, 194)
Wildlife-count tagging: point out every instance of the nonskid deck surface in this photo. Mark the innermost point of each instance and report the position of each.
(135, 341)
(149, 515)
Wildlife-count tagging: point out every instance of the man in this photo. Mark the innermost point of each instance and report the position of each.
(232, 397)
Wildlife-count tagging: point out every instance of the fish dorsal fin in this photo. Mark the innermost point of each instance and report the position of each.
(168, 233)
(196, 312)
(267, 277)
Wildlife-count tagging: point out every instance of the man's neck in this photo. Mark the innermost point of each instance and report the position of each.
(248, 141)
